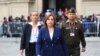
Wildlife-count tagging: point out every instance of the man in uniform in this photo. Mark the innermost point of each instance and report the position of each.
(73, 33)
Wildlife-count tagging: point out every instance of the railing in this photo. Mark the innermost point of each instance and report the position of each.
(91, 29)
(15, 29)
(12, 29)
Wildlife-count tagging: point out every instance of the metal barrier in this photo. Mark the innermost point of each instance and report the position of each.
(14, 29)
(91, 29)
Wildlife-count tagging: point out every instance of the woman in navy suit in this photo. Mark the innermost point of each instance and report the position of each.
(50, 40)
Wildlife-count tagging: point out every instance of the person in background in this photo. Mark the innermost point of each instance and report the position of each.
(66, 11)
(23, 18)
(41, 18)
(48, 12)
(28, 19)
(60, 12)
(59, 15)
(5, 26)
(10, 19)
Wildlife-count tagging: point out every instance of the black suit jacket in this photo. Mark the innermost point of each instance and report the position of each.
(26, 36)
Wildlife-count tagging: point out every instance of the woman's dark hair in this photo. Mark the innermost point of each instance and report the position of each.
(46, 18)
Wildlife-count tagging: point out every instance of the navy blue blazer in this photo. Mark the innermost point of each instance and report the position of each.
(26, 36)
(55, 47)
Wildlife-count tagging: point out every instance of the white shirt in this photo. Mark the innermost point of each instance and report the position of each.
(51, 35)
(34, 34)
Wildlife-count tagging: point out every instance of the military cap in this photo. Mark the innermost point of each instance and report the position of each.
(72, 10)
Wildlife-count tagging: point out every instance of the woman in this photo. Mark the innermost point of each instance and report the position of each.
(30, 34)
(50, 40)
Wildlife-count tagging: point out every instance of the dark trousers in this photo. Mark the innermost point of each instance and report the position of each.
(75, 51)
(31, 50)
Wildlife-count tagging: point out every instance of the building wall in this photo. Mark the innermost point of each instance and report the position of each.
(88, 7)
(91, 7)
(14, 8)
(19, 7)
(25, 7)
(3, 10)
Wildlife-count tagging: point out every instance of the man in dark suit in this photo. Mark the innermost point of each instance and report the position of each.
(30, 34)
(73, 32)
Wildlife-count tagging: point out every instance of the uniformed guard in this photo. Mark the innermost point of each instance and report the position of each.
(73, 32)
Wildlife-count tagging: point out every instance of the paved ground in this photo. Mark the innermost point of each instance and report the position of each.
(10, 47)
(93, 49)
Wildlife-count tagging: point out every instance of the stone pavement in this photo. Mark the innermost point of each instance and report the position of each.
(92, 49)
(10, 47)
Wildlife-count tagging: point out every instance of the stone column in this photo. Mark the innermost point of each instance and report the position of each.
(79, 7)
(39, 6)
(35, 5)
(3, 10)
(52, 4)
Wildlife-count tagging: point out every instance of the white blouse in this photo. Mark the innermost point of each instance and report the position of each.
(34, 35)
(51, 35)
